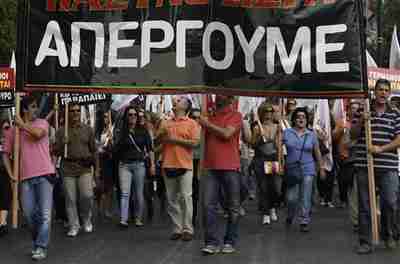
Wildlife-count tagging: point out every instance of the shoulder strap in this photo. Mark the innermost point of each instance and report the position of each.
(302, 148)
(134, 143)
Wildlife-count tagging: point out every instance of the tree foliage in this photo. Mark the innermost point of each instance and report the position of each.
(8, 30)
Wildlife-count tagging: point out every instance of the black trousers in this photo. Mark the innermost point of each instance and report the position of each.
(5, 192)
(325, 187)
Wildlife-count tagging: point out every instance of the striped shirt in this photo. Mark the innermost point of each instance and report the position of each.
(385, 127)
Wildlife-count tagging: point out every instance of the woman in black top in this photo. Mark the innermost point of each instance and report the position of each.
(134, 147)
(5, 185)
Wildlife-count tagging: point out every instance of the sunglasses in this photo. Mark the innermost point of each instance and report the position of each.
(74, 111)
(301, 117)
(132, 114)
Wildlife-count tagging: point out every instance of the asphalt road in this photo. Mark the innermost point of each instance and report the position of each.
(330, 241)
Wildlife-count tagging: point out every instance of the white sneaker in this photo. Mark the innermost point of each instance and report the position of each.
(242, 212)
(73, 232)
(88, 228)
(39, 254)
(274, 216)
(138, 222)
(266, 220)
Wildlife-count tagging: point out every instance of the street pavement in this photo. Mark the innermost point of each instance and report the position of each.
(330, 241)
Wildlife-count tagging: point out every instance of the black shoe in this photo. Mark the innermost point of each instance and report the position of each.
(304, 228)
(364, 249)
(3, 230)
(288, 223)
(175, 236)
(355, 228)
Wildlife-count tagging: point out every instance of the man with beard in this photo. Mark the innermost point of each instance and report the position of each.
(36, 174)
(78, 178)
(222, 159)
(385, 133)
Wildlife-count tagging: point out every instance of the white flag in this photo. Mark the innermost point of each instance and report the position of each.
(394, 62)
(370, 61)
(13, 64)
(322, 124)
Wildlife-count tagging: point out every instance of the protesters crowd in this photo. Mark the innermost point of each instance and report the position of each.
(273, 154)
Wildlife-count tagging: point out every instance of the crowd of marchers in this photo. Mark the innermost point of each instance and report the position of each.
(273, 155)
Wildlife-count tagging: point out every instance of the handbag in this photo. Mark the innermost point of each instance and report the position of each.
(174, 172)
(267, 149)
(294, 171)
(271, 167)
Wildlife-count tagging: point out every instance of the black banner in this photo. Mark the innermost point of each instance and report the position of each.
(83, 99)
(245, 47)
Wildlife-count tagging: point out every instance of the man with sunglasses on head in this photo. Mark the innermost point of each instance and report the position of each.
(385, 133)
(179, 136)
(77, 165)
(36, 173)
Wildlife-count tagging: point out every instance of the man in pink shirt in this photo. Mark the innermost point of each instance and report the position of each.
(36, 174)
(222, 160)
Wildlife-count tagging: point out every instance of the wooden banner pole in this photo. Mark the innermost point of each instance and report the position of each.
(66, 125)
(56, 108)
(371, 179)
(201, 171)
(16, 168)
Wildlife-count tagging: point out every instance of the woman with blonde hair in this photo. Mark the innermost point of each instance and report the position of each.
(266, 141)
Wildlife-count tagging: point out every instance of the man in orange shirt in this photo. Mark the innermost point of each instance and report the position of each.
(179, 136)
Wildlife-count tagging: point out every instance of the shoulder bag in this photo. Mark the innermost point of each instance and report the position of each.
(294, 171)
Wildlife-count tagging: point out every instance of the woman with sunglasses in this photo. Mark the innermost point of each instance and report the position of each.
(266, 140)
(5, 185)
(303, 155)
(133, 147)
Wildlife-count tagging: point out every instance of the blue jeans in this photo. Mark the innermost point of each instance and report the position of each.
(37, 203)
(388, 184)
(299, 199)
(132, 173)
(230, 182)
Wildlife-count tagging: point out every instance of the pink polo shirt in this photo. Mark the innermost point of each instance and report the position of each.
(35, 154)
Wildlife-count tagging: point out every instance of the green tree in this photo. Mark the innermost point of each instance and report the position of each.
(8, 30)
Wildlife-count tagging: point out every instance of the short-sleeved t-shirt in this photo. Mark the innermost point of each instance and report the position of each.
(294, 143)
(221, 154)
(385, 128)
(35, 154)
(177, 156)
